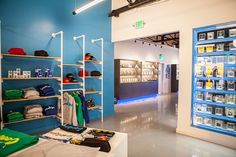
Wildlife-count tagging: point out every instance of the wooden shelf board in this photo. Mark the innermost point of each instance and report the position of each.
(75, 83)
(76, 65)
(26, 120)
(92, 92)
(28, 56)
(42, 97)
(94, 108)
(89, 77)
(91, 61)
(32, 78)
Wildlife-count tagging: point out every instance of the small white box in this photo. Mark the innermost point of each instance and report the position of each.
(10, 74)
(199, 120)
(208, 121)
(219, 124)
(15, 75)
(230, 112)
(231, 126)
(219, 111)
(25, 74)
(232, 32)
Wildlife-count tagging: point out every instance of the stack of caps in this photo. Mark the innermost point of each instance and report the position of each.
(46, 90)
(33, 111)
(89, 56)
(13, 94)
(50, 110)
(30, 93)
(14, 116)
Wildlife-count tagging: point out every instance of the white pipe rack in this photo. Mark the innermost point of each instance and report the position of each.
(102, 50)
(83, 49)
(73, 89)
(61, 50)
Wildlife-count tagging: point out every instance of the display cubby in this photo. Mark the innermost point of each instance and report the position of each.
(214, 78)
(130, 71)
(149, 71)
(134, 78)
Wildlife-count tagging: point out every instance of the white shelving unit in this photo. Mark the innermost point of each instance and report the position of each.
(100, 108)
(81, 65)
(30, 57)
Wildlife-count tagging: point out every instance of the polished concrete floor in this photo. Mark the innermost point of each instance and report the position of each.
(151, 125)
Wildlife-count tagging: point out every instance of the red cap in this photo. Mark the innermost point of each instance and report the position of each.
(81, 73)
(17, 51)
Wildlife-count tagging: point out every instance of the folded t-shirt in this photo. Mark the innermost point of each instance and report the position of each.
(15, 141)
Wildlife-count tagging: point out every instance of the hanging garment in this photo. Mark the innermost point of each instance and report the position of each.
(69, 110)
(84, 108)
(79, 112)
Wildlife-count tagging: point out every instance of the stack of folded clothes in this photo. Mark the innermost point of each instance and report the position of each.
(33, 111)
(46, 90)
(49, 110)
(30, 93)
(14, 116)
(13, 94)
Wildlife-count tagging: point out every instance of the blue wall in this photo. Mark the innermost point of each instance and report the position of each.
(29, 24)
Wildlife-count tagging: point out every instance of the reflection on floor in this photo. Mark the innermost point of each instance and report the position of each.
(151, 124)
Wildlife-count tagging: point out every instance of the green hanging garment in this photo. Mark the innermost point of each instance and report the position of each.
(79, 111)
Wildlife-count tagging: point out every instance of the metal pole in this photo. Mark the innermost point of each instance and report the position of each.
(83, 61)
(83, 49)
(61, 91)
(102, 50)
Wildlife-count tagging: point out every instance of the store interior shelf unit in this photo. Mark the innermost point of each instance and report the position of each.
(81, 65)
(32, 59)
(214, 78)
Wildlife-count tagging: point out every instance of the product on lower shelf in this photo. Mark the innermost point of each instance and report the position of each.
(208, 121)
(45, 90)
(33, 111)
(14, 116)
(13, 94)
(30, 93)
(219, 124)
(230, 112)
(231, 126)
(49, 110)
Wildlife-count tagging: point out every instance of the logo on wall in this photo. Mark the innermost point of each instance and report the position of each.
(168, 71)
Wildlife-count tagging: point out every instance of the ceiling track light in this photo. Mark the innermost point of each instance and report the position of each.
(86, 6)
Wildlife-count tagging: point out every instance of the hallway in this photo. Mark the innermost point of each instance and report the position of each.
(151, 125)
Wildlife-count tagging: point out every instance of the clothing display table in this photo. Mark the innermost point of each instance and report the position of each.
(118, 145)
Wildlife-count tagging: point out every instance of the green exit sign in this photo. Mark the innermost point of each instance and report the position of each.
(139, 24)
(161, 57)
